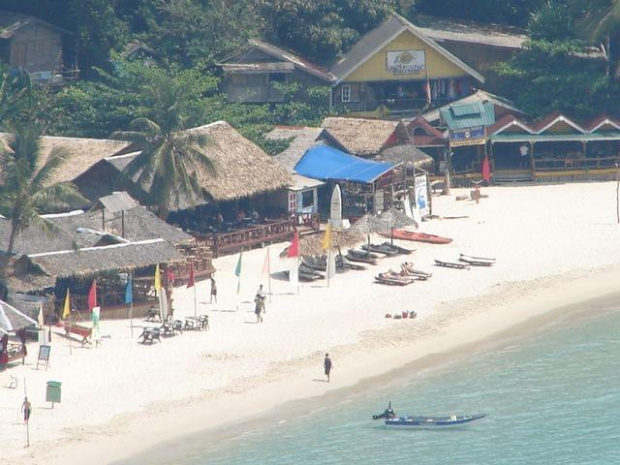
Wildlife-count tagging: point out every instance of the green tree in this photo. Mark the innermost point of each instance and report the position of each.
(323, 30)
(26, 192)
(170, 156)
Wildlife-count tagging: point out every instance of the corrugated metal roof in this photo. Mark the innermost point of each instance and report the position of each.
(467, 116)
(495, 35)
(303, 183)
(251, 68)
(379, 37)
(479, 96)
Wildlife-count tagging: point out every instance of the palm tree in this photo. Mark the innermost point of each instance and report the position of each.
(170, 157)
(25, 192)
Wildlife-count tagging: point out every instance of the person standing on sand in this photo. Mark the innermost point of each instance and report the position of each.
(213, 290)
(260, 307)
(27, 409)
(328, 365)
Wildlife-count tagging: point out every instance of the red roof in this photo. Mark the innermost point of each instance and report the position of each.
(505, 121)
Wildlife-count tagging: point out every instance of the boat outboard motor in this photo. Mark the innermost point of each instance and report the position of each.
(387, 413)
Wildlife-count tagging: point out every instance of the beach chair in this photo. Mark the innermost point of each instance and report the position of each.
(398, 248)
(380, 248)
(82, 331)
(361, 256)
(150, 335)
(454, 265)
(392, 279)
(476, 261)
(408, 270)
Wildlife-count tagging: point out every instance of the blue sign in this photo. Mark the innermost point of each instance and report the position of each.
(467, 136)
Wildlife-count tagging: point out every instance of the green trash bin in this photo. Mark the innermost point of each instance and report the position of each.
(53, 391)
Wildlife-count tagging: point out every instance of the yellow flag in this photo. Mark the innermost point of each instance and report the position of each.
(327, 238)
(66, 310)
(157, 279)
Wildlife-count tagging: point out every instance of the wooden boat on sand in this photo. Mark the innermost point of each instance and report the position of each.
(405, 235)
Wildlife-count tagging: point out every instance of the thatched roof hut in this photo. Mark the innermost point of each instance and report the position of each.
(81, 153)
(364, 137)
(243, 168)
(139, 224)
(312, 245)
(40, 271)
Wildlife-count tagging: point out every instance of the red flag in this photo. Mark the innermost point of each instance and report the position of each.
(192, 277)
(293, 250)
(486, 169)
(92, 296)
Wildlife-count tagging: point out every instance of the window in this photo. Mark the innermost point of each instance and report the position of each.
(346, 93)
(277, 77)
(307, 199)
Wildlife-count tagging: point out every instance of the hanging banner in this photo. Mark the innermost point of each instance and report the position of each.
(467, 136)
(406, 62)
(421, 196)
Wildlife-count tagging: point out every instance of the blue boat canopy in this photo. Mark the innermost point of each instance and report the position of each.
(330, 164)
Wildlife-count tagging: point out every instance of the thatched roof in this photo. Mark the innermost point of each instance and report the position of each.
(243, 168)
(140, 224)
(81, 153)
(40, 271)
(362, 137)
(91, 260)
(406, 154)
(302, 139)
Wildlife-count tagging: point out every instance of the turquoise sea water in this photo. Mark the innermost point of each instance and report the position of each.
(553, 396)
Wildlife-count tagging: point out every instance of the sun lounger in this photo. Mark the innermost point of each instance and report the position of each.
(399, 249)
(344, 263)
(310, 272)
(455, 265)
(409, 270)
(392, 279)
(362, 256)
(380, 248)
(477, 261)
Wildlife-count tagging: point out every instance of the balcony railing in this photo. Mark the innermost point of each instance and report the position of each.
(403, 104)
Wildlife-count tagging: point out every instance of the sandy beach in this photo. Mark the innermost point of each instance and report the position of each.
(555, 246)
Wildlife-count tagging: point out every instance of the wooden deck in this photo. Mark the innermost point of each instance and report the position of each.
(255, 236)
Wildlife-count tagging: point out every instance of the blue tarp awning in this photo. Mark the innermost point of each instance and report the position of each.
(329, 164)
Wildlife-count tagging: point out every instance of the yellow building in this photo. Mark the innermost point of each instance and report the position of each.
(398, 67)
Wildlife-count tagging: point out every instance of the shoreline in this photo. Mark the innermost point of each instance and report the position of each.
(269, 403)
(555, 246)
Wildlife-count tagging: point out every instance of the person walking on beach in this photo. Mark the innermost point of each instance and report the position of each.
(328, 365)
(259, 309)
(27, 409)
(260, 293)
(213, 290)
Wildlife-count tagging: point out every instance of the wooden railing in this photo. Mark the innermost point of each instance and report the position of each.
(234, 241)
(583, 163)
(309, 220)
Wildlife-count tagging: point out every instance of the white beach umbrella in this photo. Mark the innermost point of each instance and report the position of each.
(12, 319)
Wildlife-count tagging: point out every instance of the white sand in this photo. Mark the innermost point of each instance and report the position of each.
(555, 245)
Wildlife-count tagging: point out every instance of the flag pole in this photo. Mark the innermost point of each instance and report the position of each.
(195, 302)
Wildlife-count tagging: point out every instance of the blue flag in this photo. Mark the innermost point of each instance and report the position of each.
(129, 290)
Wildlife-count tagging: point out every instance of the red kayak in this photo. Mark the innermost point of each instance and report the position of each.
(405, 235)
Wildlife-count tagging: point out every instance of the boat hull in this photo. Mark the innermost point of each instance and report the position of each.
(432, 422)
(405, 235)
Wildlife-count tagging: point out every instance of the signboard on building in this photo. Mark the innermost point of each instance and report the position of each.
(467, 136)
(406, 61)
